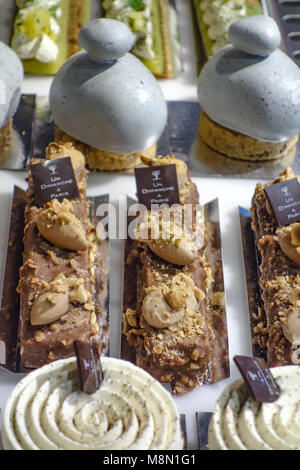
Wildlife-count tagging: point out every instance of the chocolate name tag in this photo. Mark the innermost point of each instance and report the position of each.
(285, 201)
(54, 179)
(259, 380)
(157, 185)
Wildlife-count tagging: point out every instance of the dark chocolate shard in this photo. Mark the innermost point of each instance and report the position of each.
(284, 198)
(259, 380)
(54, 179)
(157, 185)
(9, 311)
(90, 373)
(202, 423)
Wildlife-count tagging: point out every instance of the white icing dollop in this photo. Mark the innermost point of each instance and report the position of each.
(139, 22)
(218, 16)
(42, 47)
(241, 423)
(47, 50)
(130, 410)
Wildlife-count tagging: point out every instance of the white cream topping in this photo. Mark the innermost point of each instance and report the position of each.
(42, 47)
(139, 22)
(241, 423)
(130, 410)
(218, 16)
(47, 50)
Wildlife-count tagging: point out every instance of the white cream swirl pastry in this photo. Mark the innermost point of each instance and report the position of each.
(130, 410)
(241, 423)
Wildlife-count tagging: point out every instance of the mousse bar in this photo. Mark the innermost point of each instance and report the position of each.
(168, 320)
(279, 258)
(57, 279)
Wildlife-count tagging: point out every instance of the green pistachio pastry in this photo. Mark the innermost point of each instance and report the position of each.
(45, 32)
(154, 24)
(215, 16)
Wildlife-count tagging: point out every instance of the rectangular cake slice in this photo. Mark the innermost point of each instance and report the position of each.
(176, 331)
(279, 280)
(57, 279)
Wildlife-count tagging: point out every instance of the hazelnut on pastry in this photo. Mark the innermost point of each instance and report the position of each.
(53, 301)
(166, 303)
(289, 241)
(48, 307)
(169, 239)
(57, 223)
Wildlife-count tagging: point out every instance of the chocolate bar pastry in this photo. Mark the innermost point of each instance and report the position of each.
(58, 274)
(279, 273)
(168, 320)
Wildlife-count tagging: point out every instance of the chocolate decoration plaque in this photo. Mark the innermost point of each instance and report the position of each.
(90, 373)
(157, 185)
(285, 201)
(54, 179)
(259, 380)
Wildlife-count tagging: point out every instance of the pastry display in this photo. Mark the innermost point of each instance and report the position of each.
(113, 109)
(11, 77)
(130, 410)
(45, 32)
(154, 25)
(248, 95)
(279, 276)
(214, 18)
(241, 423)
(173, 326)
(58, 291)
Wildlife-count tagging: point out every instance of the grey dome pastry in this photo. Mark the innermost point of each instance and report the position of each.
(249, 93)
(106, 100)
(11, 77)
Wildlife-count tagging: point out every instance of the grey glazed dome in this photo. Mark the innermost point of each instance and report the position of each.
(255, 93)
(11, 77)
(114, 105)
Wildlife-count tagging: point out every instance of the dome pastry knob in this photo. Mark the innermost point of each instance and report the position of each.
(251, 86)
(104, 96)
(105, 39)
(257, 35)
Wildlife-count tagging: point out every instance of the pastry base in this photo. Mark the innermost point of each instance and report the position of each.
(5, 137)
(239, 146)
(103, 160)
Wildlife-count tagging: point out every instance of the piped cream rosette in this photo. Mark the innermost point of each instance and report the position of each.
(130, 410)
(241, 423)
